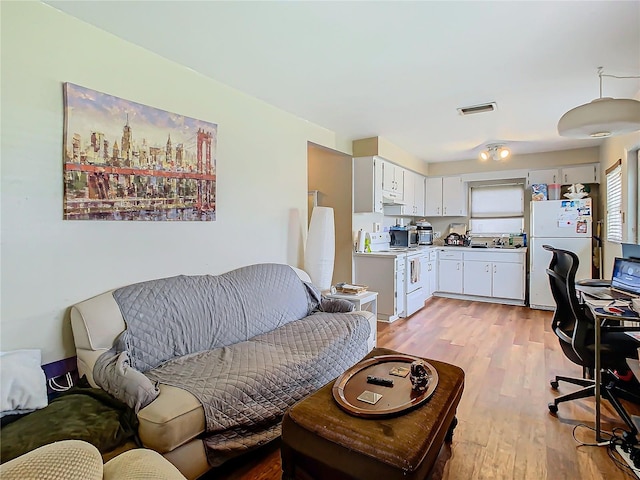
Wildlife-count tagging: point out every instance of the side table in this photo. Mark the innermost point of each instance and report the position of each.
(367, 301)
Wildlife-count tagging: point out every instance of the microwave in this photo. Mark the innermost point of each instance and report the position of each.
(403, 237)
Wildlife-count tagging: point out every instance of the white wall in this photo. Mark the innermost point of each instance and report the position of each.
(623, 147)
(47, 263)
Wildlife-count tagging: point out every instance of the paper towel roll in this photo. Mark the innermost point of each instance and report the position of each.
(360, 243)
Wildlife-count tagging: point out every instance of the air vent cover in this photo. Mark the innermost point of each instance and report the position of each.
(482, 108)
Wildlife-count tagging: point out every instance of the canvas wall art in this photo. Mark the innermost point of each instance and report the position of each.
(128, 161)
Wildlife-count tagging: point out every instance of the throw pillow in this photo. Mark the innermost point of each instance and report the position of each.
(23, 384)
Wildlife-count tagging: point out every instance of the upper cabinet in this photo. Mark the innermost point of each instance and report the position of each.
(566, 175)
(414, 193)
(392, 180)
(543, 176)
(433, 206)
(580, 174)
(446, 197)
(367, 185)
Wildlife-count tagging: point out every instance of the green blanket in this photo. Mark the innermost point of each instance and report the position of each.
(88, 414)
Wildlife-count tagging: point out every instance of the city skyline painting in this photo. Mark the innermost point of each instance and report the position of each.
(128, 161)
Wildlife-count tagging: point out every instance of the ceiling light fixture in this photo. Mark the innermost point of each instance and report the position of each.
(603, 117)
(495, 152)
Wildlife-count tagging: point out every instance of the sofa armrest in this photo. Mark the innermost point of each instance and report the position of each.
(86, 362)
(141, 464)
(95, 323)
(65, 460)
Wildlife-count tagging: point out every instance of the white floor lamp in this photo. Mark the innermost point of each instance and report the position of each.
(320, 252)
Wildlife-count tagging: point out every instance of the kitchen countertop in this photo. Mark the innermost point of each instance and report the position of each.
(489, 249)
(427, 248)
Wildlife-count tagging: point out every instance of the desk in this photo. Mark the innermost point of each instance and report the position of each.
(599, 318)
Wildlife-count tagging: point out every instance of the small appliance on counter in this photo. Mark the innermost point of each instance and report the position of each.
(425, 233)
(456, 240)
(458, 235)
(404, 237)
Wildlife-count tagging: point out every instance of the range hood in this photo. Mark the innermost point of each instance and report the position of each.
(387, 200)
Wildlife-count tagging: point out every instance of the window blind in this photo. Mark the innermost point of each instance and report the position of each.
(497, 209)
(497, 201)
(614, 204)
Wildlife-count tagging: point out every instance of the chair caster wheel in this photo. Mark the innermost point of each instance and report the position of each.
(553, 408)
(554, 384)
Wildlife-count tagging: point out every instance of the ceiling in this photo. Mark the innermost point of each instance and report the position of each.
(399, 70)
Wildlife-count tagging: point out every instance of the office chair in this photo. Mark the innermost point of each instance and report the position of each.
(574, 326)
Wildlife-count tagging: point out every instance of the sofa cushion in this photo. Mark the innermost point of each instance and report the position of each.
(172, 419)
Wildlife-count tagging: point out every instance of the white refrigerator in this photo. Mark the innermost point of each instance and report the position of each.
(564, 224)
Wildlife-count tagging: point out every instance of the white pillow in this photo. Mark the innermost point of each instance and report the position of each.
(23, 384)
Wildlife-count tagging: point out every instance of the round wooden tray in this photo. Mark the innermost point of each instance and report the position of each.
(396, 399)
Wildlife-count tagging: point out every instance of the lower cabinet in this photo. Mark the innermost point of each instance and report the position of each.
(494, 279)
(482, 273)
(477, 278)
(450, 271)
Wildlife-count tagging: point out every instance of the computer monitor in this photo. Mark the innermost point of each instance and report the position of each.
(626, 275)
(630, 250)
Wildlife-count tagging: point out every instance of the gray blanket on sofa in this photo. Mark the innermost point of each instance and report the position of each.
(244, 343)
(245, 388)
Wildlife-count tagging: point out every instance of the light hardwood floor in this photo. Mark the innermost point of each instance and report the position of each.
(505, 430)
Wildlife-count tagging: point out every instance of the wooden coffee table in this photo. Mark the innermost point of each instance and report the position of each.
(322, 441)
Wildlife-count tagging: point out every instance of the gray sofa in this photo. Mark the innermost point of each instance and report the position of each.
(211, 363)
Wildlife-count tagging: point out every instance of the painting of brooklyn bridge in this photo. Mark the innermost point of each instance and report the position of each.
(127, 161)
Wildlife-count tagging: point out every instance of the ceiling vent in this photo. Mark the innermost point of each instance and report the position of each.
(483, 108)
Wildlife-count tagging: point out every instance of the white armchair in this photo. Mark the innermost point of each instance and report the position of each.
(76, 459)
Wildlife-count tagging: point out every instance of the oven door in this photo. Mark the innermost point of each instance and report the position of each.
(414, 279)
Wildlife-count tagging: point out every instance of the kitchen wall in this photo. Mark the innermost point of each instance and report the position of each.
(624, 147)
(48, 264)
(380, 146)
(513, 168)
(530, 161)
(331, 174)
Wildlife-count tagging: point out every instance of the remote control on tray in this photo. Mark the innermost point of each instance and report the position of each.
(385, 382)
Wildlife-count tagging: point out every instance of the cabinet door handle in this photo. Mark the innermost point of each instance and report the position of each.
(444, 210)
(565, 178)
(554, 179)
(486, 267)
(495, 269)
(458, 266)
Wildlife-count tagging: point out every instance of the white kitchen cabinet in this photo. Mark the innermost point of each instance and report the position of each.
(508, 280)
(547, 176)
(367, 185)
(432, 272)
(419, 194)
(454, 197)
(566, 175)
(494, 274)
(477, 278)
(414, 193)
(392, 180)
(580, 174)
(445, 197)
(450, 272)
(433, 205)
(429, 269)
(384, 274)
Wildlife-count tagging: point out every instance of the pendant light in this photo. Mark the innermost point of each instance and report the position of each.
(603, 117)
(495, 152)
